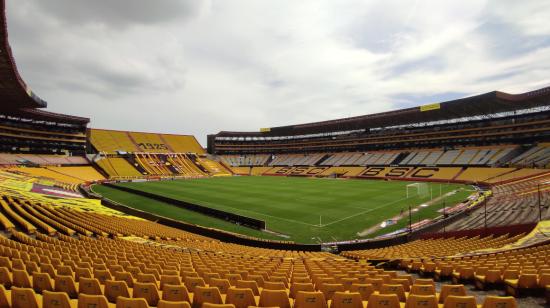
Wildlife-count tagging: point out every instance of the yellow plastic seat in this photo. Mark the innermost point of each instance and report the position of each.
(366, 290)
(499, 302)
(453, 301)
(375, 282)
(241, 298)
(270, 285)
(306, 299)
(447, 290)
(17, 264)
(146, 278)
(115, 268)
(300, 279)
(102, 275)
(296, 287)
(347, 282)
(421, 301)
(212, 305)
(169, 279)
(491, 276)
(222, 284)
(524, 282)
(206, 295)
(89, 286)
(282, 279)
(249, 284)
(274, 298)
(233, 278)
(170, 304)
(463, 274)
(23, 298)
(41, 282)
(134, 271)
(192, 282)
(82, 272)
(208, 276)
(346, 300)
(258, 278)
(126, 277)
(184, 274)
(5, 277)
(383, 301)
(329, 289)
(402, 281)
(5, 300)
(148, 291)
(21, 279)
(424, 281)
(64, 270)
(48, 268)
(31, 266)
(125, 302)
(65, 284)
(114, 289)
(427, 289)
(443, 272)
(5, 262)
(175, 293)
(396, 289)
(56, 300)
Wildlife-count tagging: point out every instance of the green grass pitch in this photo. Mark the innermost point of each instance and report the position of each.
(306, 210)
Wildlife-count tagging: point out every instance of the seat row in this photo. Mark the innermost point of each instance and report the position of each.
(209, 298)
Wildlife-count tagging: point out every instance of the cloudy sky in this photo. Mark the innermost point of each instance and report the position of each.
(201, 66)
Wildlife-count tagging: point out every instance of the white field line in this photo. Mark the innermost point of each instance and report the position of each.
(250, 211)
(361, 213)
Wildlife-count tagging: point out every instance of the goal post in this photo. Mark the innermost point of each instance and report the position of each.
(418, 189)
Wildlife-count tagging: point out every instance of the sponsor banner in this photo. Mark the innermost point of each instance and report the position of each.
(265, 130)
(420, 173)
(306, 171)
(385, 172)
(429, 107)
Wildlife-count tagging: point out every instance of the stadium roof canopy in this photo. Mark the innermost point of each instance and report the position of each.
(480, 105)
(17, 99)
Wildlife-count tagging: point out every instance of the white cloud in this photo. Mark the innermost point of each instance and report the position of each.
(198, 67)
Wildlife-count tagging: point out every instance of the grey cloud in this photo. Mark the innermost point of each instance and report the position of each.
(434, 63)
(505, 40)
(197, 67)
(107, 82)
(119, 12)
(378, 28)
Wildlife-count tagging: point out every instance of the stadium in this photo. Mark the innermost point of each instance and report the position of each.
(437, 205)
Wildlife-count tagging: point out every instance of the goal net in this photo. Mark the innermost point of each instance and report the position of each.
(418, 189)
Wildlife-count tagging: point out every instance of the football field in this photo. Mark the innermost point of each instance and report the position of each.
(305, 210)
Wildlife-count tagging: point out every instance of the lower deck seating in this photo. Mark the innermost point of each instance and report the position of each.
(512, 203)
(42, 160)
(118, 167)
(160, 164)
(85, 173)
(87, 270)
(518, 174)
(52, 252)
(432, 247)
(49, 173)
(475, 174)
